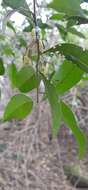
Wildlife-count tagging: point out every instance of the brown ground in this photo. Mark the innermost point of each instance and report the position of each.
(29, 161)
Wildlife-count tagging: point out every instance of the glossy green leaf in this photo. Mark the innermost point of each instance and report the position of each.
(12, 74)
(66, 76)
(55, 106)
(68, 7)
(2, 69)
(71, 122)
(73, 53)
(21, 6)
(26, 79)
(18, 107)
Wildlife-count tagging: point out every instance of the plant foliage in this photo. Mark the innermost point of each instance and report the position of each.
(66, 16)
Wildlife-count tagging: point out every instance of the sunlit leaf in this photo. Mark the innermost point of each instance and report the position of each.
(66, 6)
(57, 16)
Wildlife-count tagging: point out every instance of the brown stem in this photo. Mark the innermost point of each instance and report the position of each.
(37, 42)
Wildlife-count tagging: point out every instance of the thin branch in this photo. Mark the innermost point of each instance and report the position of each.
(37, 42)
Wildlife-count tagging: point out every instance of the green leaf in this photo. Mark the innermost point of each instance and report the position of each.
(71, 21)
(22, 41)
(55, 106)
(26, 79)
(68, 7)
(18, 107)
(7, 50)
(75, 32)
(10, 25)
(2, 69)
(21, 6)
(77, 20)
(12, 74)
(62, 31)
(28, 28)
(58, 16)
(73, 53)
(71, 122)
(66, 77)
(71, 30)
(42, 25)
